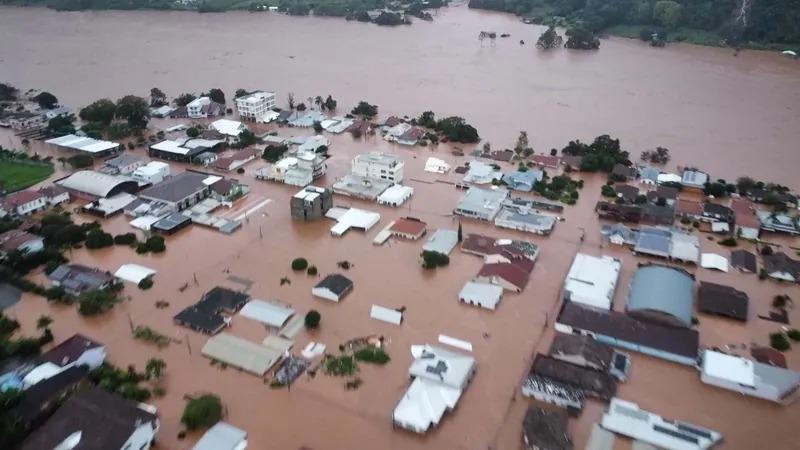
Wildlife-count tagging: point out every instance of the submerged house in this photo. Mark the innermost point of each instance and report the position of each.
(750, 378)
(311, 202)
(592, 281)
(662, 294)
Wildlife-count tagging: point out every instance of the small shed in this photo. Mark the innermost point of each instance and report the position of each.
(333, 287)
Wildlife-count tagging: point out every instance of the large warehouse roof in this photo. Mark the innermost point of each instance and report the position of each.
(97, 184)
(592, 280)
(665, 291)
(84, 144)
(240, 353)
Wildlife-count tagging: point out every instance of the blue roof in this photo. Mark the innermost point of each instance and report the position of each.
(664, 290)
(653, 241)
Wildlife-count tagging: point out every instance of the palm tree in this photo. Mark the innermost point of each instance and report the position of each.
(155, 368)
(43, 322)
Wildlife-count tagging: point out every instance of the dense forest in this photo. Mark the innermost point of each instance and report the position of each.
(736, 22)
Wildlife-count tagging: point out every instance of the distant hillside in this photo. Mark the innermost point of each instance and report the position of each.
(755, 23)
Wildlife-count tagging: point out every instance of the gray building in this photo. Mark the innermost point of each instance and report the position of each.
(483, 204)
(76, 279)
(180, 191)
(311, 202)
(662, 294)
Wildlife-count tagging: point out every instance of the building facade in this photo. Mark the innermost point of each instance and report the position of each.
(381, 166)
(255, 106)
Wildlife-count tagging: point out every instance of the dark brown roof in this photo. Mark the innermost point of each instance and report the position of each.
(780, 262)
(105, 421)
(43, 397)
(624, 171)
(619, 213)
(627, 191)
(53, 190)
(546, 430)
(744, 260)
(573, 161)
(393, 121)
(723, 300)
(658, 215)
(70, 350)
(592, 382)
(767, 355)
(546, 161)
(511, 273)
(596, 354)
(678, 341)
(13, 239)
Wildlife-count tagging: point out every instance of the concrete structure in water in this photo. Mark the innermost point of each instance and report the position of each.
(256, 106)
(311, 203)
(751, 378)
(592, 281)
(482, 204)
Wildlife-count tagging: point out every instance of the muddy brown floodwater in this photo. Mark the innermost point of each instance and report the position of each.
(731, 115)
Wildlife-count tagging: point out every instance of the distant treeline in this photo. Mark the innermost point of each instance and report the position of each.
(761, 21)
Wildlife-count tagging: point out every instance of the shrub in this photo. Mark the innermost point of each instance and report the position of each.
(779, 342)
(345, 265)
(794, 334)
(97, 238)
(150, 335)
(372, 355)
(312, 270)
(159, 391)
(341, 365)
(312, 319)
(729, 241)
(202, 412)
(353, 384)
(146, 283)
(156, 244)
(781, 301)
(96, 301)
(432, 260)
(299, 264)
(125, 239)
(766, 250)
(142, 248)
(607, 191)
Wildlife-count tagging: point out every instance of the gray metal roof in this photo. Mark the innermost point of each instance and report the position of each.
(654, 241)
(664, 290)
(177, 187)
(222, 436)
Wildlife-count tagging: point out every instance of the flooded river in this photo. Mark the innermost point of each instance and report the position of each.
(732, 115)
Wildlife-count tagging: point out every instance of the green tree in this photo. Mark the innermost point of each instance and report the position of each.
(312, 319)
(184, 99)
(456, 129)
(80, 161)
(192, 132)
(330, 103)
(101, 111)
(202, 412)
(299, 264)
(240, 93)
(581, 38)
(8, 93)
(46, 100)
(157, 97)
(247, 138)
(155, 368)
(549, 39)
(134, 110)
(365, 110)
(432, 259)
(667, 13)
(43, 322)
(61, 125)
(216, 95)
(96, 301)
(97, 238)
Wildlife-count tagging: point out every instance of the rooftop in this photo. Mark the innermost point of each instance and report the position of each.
(336, 283)
(444, 366)
(596, 354)
(723, 300)
(177, 187)
(592, 280)
(442, 241)
(84, 144)
(222, 436)
(68, 351)
(546, 430)
(593, 382)
(662, 293)
(408, 226)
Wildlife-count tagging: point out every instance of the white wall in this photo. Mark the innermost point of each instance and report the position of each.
(141, 437)
(324, 293)
(92, 358)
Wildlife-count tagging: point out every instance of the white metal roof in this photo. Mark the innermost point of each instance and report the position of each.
(444, 366)
(357, 218)
(91, 182)
(442, 241)
(269, 313)
(41, 372)
(728, 367)
(386, 315)
(396, 194)
(714, 261)
(592, 280)
(222, 436)
(487, 294)
(171, 147)
(84, 144)
(144, 222)
(228, 127)
(436, 165)
(424, 404)
(133, 273)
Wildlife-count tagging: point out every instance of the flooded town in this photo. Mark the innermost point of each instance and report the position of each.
(254, 230)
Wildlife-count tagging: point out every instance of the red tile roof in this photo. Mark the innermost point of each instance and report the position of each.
(20, 198)
(13, 239)
(408, 226)
(744, 212)
(511, 273)
(689, 207)
(546, 161)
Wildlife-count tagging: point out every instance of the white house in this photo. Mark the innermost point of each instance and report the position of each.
(440, 377)
(436, 165)
(377, 165)
(152, 172)
(198, 108)
(257, 106)
(22, 241)
(229, 128)
(94, 418)
(749, 377)
(75, 351)
(22, 203)
(592, 281)
(313, 143)
(333, 287)
(55, 194)
(484, 295)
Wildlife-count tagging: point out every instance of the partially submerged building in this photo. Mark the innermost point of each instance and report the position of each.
(442, 241)
(76, 279)
(592, 281)
(482, 173)
(523, 181)
(95, 419)
(663, 295)
(744, 261)
(482, 204)
(750, 378)
(408, 228)
(545, 430)
(626, 418)
(351, 218)
(298, 169)
(222, 436)
(311, 203)
(668, 244)
(76, 351)
(86, 145)
(361, 187)
(91, 185)
(256, 106)
(182, 190)
(585, 351)
(240, 353)
(333, 287)
(183, 150)
(525, 220)
(614, 328)
(210, 314)
(20, 241)
(440, 377)
(592, 382)
(485, 295)
(781, 267)
(381, 166)
(722, 300)
(395, 195)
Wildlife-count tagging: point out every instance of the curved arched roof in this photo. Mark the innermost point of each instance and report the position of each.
(662, 292)
(97, 184)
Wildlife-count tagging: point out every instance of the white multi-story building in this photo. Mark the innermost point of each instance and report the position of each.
(152, 172)
(377, 165)
(256, 106)
(198, 108)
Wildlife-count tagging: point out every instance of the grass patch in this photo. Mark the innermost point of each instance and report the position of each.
(339, 366)
(20, 175)
(372, 355)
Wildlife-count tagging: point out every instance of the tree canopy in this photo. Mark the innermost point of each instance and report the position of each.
(601, 155)
(157, 97)
(134, 110)
(100, 111)
(216, 95)
(549, 39)
(46, 100)
(458, 130)
(202, 412)
(366, 110)
(581, 38)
